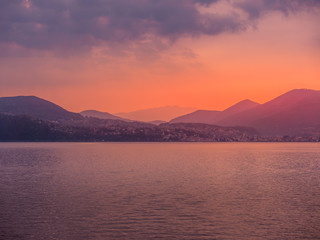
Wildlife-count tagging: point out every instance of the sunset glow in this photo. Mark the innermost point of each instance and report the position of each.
(122, 56)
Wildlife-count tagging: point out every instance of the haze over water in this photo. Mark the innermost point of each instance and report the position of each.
(159, 191)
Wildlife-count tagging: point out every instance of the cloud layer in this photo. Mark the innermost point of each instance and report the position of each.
(75, 25)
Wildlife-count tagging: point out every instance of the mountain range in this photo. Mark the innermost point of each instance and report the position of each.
(295, 113)
(29, 118)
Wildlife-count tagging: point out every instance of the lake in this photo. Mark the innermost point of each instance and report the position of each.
(159, 191)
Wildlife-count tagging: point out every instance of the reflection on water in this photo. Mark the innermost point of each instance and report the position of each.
(159, 190)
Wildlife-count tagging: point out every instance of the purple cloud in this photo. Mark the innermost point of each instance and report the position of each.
(256, 8)
(77, 25)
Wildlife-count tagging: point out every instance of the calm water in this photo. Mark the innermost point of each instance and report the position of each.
(159, 191)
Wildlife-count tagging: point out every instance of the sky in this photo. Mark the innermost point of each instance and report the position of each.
(125, 55)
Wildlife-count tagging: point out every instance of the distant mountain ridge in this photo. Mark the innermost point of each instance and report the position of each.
(36, 107)
(156, 114)
(212, 117)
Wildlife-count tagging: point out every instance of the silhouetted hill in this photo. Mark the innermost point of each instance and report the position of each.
(101, 115)
(294, 113)
(212, 117)
(37, 108)
(25, 128)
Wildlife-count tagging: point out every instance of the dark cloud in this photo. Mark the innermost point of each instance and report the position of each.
(257, 8)
(77, 25)
(81, 24)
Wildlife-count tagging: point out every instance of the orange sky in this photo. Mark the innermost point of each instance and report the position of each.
(274, 55)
